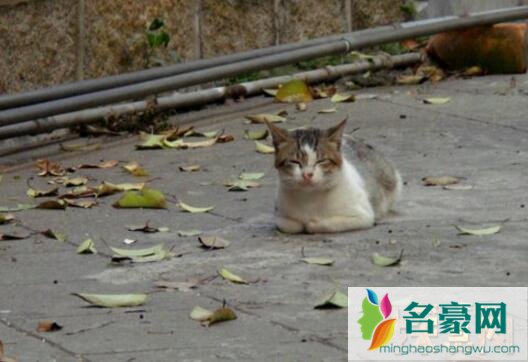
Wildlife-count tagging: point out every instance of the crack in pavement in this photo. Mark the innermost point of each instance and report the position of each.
(41, 338)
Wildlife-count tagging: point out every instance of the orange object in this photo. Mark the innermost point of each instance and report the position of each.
(500, 48)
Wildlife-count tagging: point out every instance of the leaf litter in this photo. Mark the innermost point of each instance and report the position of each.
(113, 300)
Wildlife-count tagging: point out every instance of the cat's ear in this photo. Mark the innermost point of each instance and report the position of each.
(279, 135)
(335, 134)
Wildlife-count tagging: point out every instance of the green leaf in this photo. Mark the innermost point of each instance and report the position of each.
(265, 149)
(151, 141)
(338, 98)
(135, 253)
(256, 135)
(187, 233)
(381, 260)
(318, 261)
(294, 91)
(194, 210)
(55, 235)
(436, 100)
(87, 247)
(250, 176)
(31, 192)
(265, 117)
(145, 198)
(221, 315)
(200, 314)
(227, 275)
(479, 232)
(334, 299)
(156, 24)
(113, 300)
(213, 242)
(19, 207)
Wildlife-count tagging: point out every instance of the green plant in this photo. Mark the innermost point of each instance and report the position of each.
(409, 9)
(157, 37)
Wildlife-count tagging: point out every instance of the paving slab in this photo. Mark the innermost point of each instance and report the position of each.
(480, 135)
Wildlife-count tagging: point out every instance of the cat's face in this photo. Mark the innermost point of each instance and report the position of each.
(308, 158)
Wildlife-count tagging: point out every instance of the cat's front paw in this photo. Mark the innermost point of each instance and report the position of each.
(289, 226)
(314, 226)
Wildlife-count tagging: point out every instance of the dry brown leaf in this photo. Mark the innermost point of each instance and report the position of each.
(48, 326)
(52, 205)
(190, 168)
(225, 138)
(102, 165)
(440, 181)
(49, 168)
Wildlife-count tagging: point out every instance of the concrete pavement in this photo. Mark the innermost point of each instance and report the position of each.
(481, 135)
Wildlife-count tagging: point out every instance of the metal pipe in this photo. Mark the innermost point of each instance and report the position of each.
(345, 44)
(93, 85)
(178, 100)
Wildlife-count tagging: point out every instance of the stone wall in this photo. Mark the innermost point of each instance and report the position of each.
(45, 42)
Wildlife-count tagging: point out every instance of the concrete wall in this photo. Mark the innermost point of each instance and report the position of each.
(45, 42)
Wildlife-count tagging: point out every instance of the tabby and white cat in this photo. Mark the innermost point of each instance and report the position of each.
(321, 191)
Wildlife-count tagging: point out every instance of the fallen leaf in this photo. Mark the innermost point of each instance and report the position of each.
(146, 255)
(108, 188)
(227, 275)
(84, 204)
(74, 147)
(52, 205)
(221, 315)
(49, 168)
(181, 286)
(319, 261)
(225, 138)
(301, 107)
(432, 72)
(3, 357)
(181, 144)
(194, 210)
(129, 241)
(147, 228)
(87, 247)
(294, 91)
(327, 110)
(113, 300)
(209, 134)
(241, 185)
(190, 168)
(213, 242)
(479, 232)
(200, 314)
(188, 233)
(459, 187)
(175, 133)
(411, 79)
(144, 198)
(381, 260)
(265, 117)
(263, 148)
(333, 299)
(55, 235)
(271, 92)
(323, 92)
(48, 326)
(151, 141)
(19, 207)
(5, 237)
(256, 135)
(250, 176)
(102, 164)
(135, 169)
(6, 218)
(66, 181)
(31, 192)
(473, 71)
(440, 181)
(436, 100)
(338, 98)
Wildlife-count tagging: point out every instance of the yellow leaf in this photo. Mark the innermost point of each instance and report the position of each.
(327, 110)
(436, 100)
(194, 210)
(265, 117)
(113, 300)
(338, 98)
(135, 169)
(145, 198)
(294, 91)
(227, 275)
(262, 148)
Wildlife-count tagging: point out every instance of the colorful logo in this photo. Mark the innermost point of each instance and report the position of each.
(375, 325)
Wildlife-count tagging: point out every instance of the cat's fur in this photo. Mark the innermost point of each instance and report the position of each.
(322, 191)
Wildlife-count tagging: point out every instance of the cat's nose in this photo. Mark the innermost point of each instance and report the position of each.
(307, 175)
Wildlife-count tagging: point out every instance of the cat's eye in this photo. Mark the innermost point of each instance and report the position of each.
(324, 160)
(294, 162)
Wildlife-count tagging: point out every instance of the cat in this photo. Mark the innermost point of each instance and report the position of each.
(321, 191)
